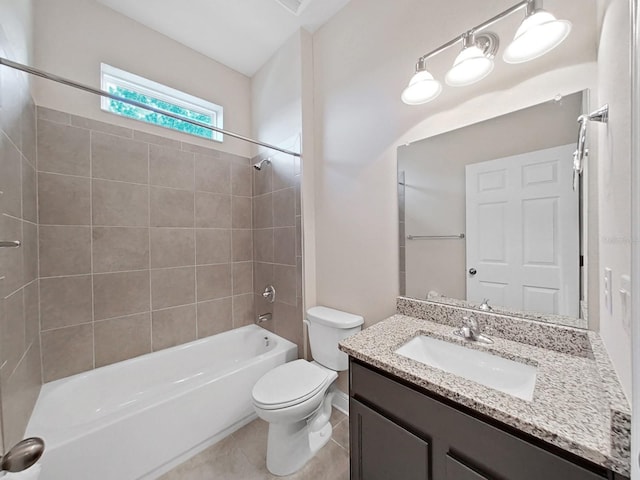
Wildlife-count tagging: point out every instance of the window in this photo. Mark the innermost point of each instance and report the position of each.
(133, 87)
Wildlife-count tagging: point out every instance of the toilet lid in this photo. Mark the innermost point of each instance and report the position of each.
(289, 384)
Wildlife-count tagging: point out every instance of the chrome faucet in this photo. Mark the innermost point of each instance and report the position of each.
(471, 330)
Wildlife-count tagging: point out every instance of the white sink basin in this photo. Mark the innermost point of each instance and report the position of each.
(507, 376)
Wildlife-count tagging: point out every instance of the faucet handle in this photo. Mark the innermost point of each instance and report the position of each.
(471, 324)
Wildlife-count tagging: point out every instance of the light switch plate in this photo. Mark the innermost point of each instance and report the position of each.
(608, 300)
(625, 299)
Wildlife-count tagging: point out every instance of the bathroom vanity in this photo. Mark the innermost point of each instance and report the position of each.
(410, 420)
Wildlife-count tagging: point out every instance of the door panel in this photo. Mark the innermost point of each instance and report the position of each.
(522, 232)
(383, 450)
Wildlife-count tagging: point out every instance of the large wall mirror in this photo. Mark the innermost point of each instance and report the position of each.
(491, 213)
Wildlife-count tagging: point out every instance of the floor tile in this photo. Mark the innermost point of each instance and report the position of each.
(242, 456)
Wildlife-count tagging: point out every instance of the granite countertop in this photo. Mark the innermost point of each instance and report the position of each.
(577, 405)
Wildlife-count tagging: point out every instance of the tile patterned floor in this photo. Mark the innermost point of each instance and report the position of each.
(241, 456)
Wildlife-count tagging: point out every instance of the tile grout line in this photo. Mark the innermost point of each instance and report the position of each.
(151, 346)
(93, 306)
(195, 245)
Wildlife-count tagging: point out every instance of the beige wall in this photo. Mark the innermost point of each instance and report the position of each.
(614, 161)
(362, 61)
(276, 96)
(145, 242)
(75, 36)
(20, 372)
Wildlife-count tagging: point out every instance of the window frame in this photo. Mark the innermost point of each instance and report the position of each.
(113, 76)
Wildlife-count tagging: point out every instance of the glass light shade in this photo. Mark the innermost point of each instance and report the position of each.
(470, 66)
(538, 34)
(422, 89)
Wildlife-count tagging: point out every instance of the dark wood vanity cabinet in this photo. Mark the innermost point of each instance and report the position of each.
(400, 433)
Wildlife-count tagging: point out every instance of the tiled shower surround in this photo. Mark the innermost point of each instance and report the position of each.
(20, 372)
(145, 243)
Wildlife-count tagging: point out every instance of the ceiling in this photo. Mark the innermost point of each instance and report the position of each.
(241, 34)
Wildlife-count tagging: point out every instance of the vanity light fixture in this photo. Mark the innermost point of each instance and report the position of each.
(422, 87)
(475, 61)
(539, 33)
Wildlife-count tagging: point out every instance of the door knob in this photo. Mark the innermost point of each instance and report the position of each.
(472, 271)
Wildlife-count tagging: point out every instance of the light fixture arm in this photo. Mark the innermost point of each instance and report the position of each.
(530, 5)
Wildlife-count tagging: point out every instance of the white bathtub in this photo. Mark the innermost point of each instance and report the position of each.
(139, 418)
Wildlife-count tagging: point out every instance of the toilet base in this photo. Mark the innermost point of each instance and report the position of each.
(292, 445)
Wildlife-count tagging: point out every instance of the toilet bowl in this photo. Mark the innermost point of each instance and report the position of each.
(296, 398)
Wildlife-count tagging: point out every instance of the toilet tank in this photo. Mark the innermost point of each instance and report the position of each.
(327, 327)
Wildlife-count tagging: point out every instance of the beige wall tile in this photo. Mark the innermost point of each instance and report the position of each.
(243, 310)
(241, 179)
(298, 236)
(263, 245)
(284, 280)
(242, 245)
(262, 276)
(288, 321)
(169, 167)
(29, 135)
(299, 287)
(51, 115)
(284, 250)
(31, 313)
(284, 208)
(122, 338)
(63, 149)
(283, 172)
(117, 158)
(172, 247)
(119, 204)
(214, 281)
(98, 126)
(12, 341)
(241, 208)
(263, 211)
(30, 251)
(242, 278)
(10, 181)
(156, 139)
(119, 294)
(173, 326)
(117, 249)
(214, 317)
(12, 258)
(171, 287)
(65, 301)
(65, 251)
(19, 395)
(213, 246)
(171, 207)
(64, 200)
(29, 193)
(262, 179)
(213, 175)
(213, 210)
(67, 351)
(210, 152)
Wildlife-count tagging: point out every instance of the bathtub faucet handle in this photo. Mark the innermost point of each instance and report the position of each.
(269, 293)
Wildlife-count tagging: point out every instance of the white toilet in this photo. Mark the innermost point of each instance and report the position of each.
(295, 398)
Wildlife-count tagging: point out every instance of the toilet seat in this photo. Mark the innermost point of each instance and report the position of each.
(290, 384)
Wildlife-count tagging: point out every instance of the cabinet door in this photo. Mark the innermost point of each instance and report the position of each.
(382, 450)
(456, 470)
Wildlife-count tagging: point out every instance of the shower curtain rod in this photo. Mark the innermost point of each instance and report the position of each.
(40, 73)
